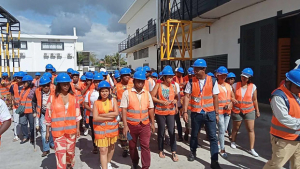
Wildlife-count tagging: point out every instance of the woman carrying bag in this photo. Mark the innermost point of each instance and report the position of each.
(105, 125)
(63, 116)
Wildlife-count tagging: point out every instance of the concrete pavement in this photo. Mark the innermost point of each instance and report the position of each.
(13, 155)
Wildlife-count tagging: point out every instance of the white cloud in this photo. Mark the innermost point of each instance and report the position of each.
(31, 27)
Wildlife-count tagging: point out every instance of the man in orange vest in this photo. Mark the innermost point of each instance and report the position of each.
(285, 128)
(201, 98)
(39, 105)
(5, 118)
(4, 89)
(138, 118)
(36, 80)
(118, 91)
(149, 78)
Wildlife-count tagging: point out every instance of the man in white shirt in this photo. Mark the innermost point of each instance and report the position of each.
(5, 118)
(204, 106)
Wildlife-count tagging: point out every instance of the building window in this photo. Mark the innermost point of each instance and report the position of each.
(143, 53)
(52, 46)
(21, 45)
(145, 64)
(135, 56)
(197, 44)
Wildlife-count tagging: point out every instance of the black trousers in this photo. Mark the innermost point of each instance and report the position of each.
(179, 126)
(92, 129)
(162, 120)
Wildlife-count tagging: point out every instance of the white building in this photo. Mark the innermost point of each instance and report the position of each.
(36, 51)
(261, 34)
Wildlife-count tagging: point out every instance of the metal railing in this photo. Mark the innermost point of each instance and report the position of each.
(141, 35)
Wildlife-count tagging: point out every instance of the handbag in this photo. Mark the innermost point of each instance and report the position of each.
(20, 110)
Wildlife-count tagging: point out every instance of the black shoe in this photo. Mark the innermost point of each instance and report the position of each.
(125, 153)
(24, 141)
(45, 153)
(134, 166)
(180, 139)
(215, 165)
(192, 156)
(186, 137)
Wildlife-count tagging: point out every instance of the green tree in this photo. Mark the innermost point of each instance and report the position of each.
(80, 57)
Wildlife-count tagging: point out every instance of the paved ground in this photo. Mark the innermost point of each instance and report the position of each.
(14, 156)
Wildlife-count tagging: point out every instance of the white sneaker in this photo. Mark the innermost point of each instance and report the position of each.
(100, 166)
(86, 132)
(16, 138)
(233, 145)
(253, 152)
(109, 166)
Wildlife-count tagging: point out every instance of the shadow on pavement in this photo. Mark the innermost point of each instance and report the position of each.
(86, 156)
(49, 162)
(244, 161)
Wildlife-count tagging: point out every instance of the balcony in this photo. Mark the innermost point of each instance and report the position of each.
(143, 37)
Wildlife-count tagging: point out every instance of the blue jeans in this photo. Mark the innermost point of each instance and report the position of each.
(209, 119)
(24, 120)
(222, 125)
(46, 145)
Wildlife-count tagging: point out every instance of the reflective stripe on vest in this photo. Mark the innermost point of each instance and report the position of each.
(162, 109)
(224, 98)
(137, 111)
(245, 104)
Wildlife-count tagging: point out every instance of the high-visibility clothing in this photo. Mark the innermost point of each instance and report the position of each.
(108, 128)
(137, 111)
(62, 122)
(38, 94)
(53, 78)
(77, 92)
(25, 101)
(201, 100)
(151, 81)
(186, 78)
(147, 85)
(87, 112)
(244, 105)
(115, 82)
(162, 109)
(179, 81)
(120, 90)
(278, 129)
(16, 95)
(4, 90)
(52, 88)
(224, 98)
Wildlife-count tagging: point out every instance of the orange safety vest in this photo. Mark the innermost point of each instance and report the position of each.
(108, 128)
(16, 95)
(120, 90)
(151, 81)
(179, 81)
(4, 90)
(62, 122)
(202, 100)
(52, 88)
(38, 94)
(280, 130)
(25, 101)
(244, 105)
(53, 78)
(147, 85)
(88, 113)
(224, 98)
(137, 113)
(162, 109)
(77, 92)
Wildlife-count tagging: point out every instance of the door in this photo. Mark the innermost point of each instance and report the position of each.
(284, 58)
(259, 52)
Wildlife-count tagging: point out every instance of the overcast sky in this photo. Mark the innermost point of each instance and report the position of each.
(96, 20)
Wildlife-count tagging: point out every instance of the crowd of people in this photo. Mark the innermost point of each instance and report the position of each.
(127, 105)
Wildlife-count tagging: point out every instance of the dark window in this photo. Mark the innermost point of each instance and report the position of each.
(197, 44)
(52, 45)
(145, 64)
(135, 55)
(143, 53)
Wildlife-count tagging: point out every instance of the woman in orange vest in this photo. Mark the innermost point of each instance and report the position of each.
(225, 106)
(105, 124)
(27, 116)
(165, 96)
(230, 80)
(245, 107)
(63, 116)
(90, 98)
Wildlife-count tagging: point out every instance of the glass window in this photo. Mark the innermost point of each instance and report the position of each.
(52, 46)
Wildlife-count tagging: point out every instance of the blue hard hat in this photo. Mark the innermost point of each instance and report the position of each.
(98, 76)
(140, 75)
(83, 77)
(247, 72)
(89, 76)
(190, 71)
(103, 84)
(15, 74)
(294, 76)
(139, 69)
(210, 74)
(167, 72)
(222, 70)
(199, 63)
(146, 69)
(63, 78)
(53, 69)
(27, 78)
(104, 73)
(116, 71)
(117, 75)
(160, 74)
(44, 80)
(75, 73)
(125, 71)
(231, 75)
(154, 74)
(37, 74)
(20, 74)
(180, 70)
(4, 74)
(47, 74)
(168, 67)
(70, 70)
(49, 66)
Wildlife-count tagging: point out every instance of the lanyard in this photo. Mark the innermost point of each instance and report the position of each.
(203, 85)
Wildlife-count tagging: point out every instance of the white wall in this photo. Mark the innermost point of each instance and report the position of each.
(34, 60)
(152, 59)
(142, 17)
(225, 32)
